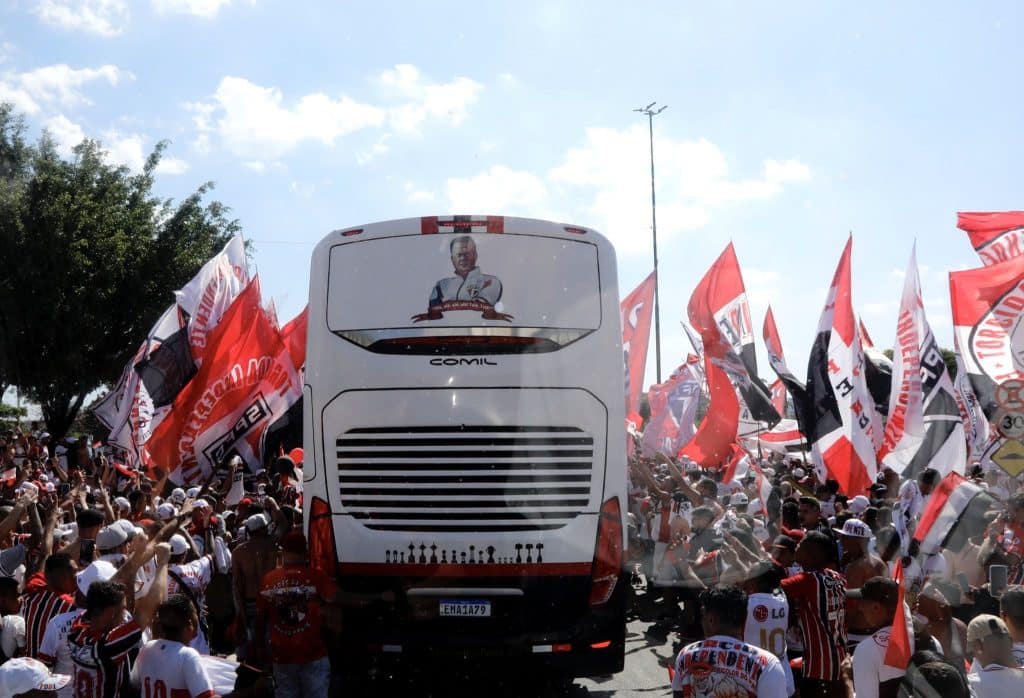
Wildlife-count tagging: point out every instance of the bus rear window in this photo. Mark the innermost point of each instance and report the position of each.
(464, 294)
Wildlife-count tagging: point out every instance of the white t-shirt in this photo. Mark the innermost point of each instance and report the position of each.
(165, 668)
(54, 646)
(996, 681)
(12, 635)
(766, 627)
(869, 667)
(724, 666)
(197, 575)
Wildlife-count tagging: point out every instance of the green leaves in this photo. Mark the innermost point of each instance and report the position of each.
(90, 258)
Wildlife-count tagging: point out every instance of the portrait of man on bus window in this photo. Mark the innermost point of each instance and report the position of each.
(469, 283)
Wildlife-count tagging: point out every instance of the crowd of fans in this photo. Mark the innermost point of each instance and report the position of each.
(798, 595)
(116, 584)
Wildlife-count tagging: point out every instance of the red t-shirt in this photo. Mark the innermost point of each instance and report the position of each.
(290, 599)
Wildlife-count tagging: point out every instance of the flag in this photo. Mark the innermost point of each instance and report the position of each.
(763, 486)
(841, 419)
(246, 382)
(205, 298)
(636, 310)
(878, 369)
(773, 344)
(711, 445)
(738, 464)
(718, 309)
(673, 409)
(897, 654)
(294, 336)
(988, 307)
(778, 390)
(996, 236)
(784, 438)
(924, 429)
(237, 491)
(954, 512)
(976, 426)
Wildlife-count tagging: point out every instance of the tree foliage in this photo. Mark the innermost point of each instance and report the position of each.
(948, 356)
(91, 258)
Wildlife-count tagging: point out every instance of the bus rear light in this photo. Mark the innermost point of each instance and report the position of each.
(350, 233)
(565, 647)
(574, 229)
(464, 344)
(607, 554)
(601, 645)
(323, 555)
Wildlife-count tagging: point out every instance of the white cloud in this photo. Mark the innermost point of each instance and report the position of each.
(447, 102)
(255, 121)
(692, 179)
(255, 166)
(171, 166)
(55, 85)
(101, 17)
(124, 149)
(499, 189)
(207, 9)
(6, 51)
(416, 195)
(66, 134)
(763, 285)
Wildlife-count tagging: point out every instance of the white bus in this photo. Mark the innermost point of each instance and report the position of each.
(464, 439)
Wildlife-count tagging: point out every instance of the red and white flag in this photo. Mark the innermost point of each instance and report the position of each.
(924, 429)
(710, 446)
(842, 421)
(778, 389)
(784, 438)
(210, 293)
(738, 464)
(995, 235)
(294, 336)
(955, 502)
(673, 407)
(988, 309)
(718, 309)
(764, 487)
(897, 654)
(636, 310)
(976, 425)
(247, 382)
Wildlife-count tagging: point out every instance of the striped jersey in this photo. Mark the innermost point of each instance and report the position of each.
(818, 599)
(38, 609)
(102, 661)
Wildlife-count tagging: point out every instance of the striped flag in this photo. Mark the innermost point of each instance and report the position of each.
(955, 509)
(897, 654)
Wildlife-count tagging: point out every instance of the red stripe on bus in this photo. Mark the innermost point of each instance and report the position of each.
(428, 225)
(544, 569)
(495, 224)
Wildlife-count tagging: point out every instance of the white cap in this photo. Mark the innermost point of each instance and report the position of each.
(130, 529)
(110, 537)
(739, 499)
(97, 571)
(201, 504)
(177, 495)
(854, 528)
(166, 511)
(859, 504)
(193, 491)
(122, 503)
(179, 545)
(25, 674)
(799, 473)
(256, 522)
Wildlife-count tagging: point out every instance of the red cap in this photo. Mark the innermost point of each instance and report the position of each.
(245, 501)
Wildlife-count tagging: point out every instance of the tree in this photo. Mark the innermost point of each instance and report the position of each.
(948, 355)
(90, 258)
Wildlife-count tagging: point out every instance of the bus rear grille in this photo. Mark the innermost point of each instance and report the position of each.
(465, 478)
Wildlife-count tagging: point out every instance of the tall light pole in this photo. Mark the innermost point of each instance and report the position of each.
(652, 112)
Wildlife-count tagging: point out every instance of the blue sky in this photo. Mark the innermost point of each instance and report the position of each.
(788, 126)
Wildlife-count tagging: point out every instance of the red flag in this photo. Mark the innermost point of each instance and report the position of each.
(246, 379)
(636, 309)
(996, 236)
(841, 422)
(897, 654)
(294, 336)
(778, 389)
(673, 409)
(718, 309)
(712, 444)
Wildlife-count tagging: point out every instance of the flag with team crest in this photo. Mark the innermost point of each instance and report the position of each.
(636, 310)
(673, 409)
(842, 422)
(995, 235)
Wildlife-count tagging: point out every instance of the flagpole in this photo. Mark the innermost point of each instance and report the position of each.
(651, 112)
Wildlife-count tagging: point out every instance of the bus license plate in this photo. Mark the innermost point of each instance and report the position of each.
(466, 608)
